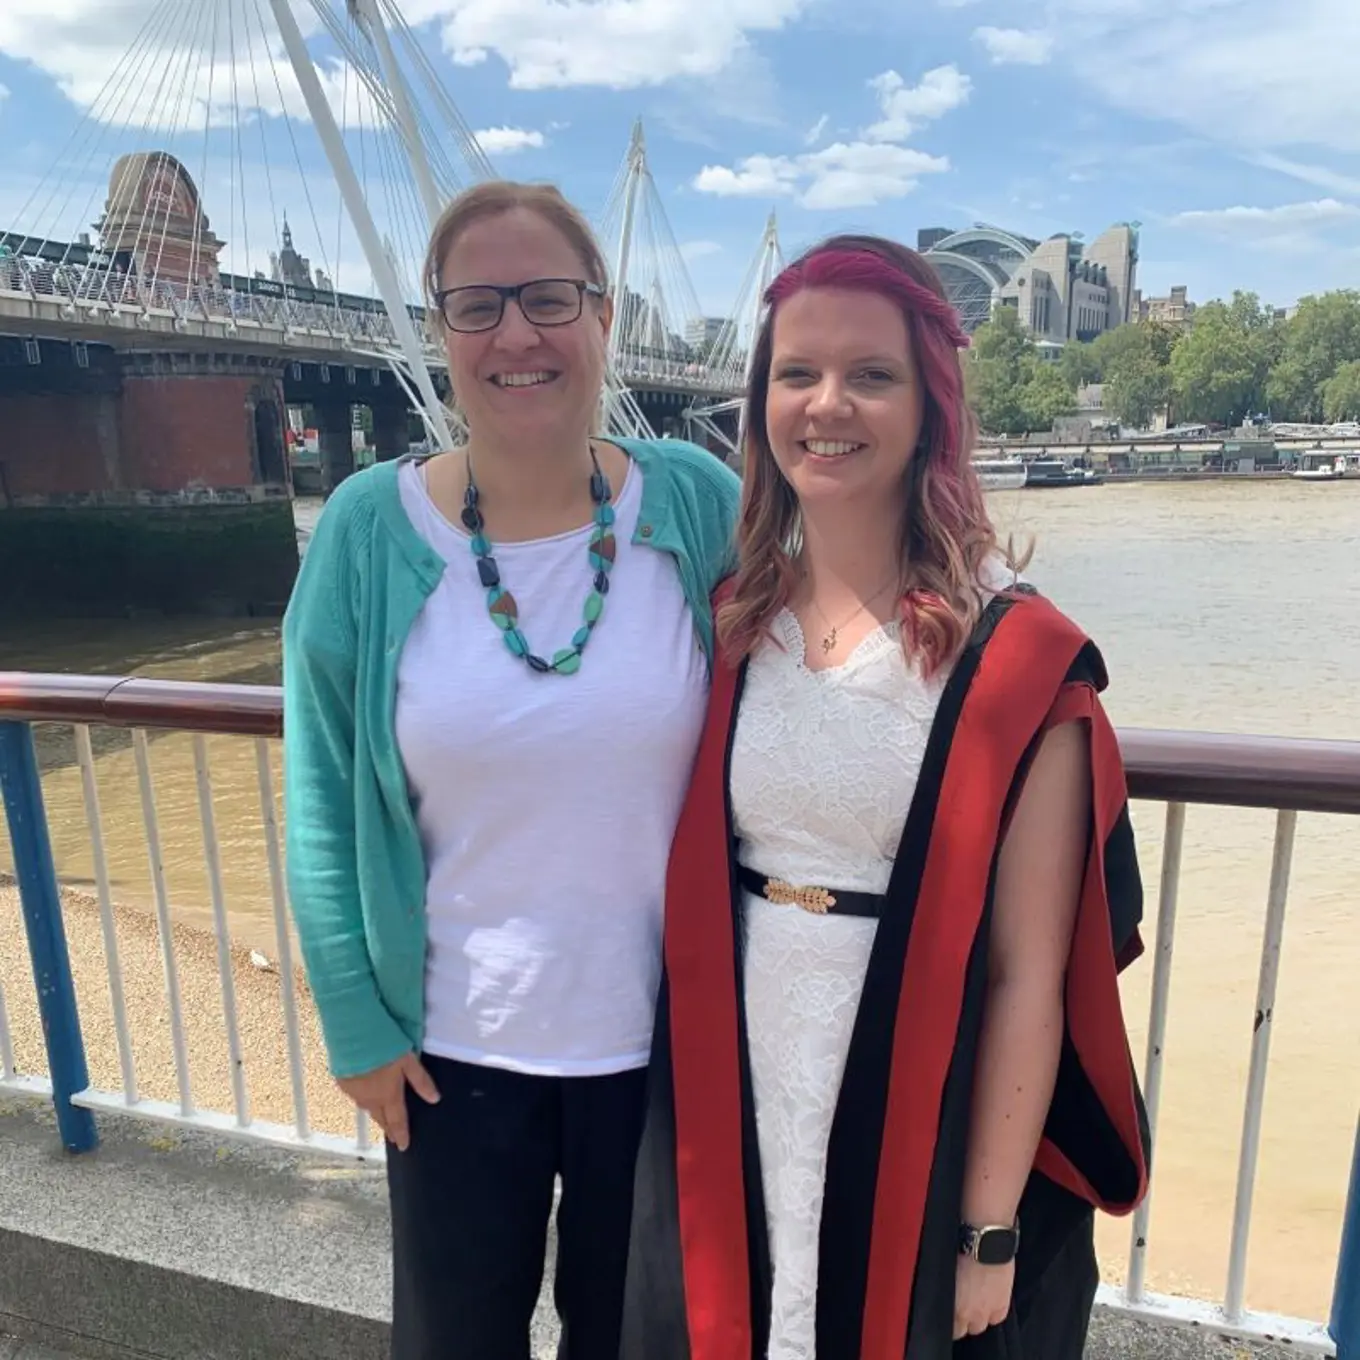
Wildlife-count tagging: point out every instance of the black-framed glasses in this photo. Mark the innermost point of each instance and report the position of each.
(544, 302)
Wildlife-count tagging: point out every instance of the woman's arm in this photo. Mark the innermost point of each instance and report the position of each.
(1038, 885)
(319, 664)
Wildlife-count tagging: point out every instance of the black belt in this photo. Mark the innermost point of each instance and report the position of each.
(819, 901)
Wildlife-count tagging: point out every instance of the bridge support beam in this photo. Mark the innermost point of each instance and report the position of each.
(391, 429)
(335, 440)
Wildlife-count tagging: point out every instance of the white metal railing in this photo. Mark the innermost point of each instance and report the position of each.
(1312, 777)
(296, 1134)
(1231, 1317)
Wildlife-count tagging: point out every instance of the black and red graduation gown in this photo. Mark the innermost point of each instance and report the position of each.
(699, 1272)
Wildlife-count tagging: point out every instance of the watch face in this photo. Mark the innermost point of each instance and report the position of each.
(996, 1247)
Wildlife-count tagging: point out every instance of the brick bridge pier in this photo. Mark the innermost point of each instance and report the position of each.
(158, 479)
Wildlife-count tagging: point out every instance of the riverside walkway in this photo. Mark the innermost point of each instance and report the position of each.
(171, 1217)
(182, 1246)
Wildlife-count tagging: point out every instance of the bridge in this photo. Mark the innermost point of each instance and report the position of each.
(156, 369)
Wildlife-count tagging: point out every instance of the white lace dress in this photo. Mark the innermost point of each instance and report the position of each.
(824, 765)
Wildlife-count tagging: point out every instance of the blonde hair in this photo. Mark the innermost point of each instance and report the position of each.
(495, 197)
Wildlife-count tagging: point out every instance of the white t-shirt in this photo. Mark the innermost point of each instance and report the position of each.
(547, 803)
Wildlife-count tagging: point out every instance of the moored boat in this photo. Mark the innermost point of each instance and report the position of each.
(1050, 472)
(1329, 469)
(1000, 473)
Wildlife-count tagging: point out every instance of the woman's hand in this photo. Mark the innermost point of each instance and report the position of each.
(982, 1296)
(381, 1094)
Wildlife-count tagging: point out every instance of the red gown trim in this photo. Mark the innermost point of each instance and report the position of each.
(700, 953)
(1017, 691)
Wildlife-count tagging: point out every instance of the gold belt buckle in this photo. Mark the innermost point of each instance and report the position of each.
(816, 900)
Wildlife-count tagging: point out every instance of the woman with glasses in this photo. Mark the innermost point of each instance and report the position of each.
(496, 663)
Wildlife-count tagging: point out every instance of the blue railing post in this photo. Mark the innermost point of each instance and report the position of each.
(22, 791)
(1345, 1326)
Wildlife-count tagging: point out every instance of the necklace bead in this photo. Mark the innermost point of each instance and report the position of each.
(501, 604)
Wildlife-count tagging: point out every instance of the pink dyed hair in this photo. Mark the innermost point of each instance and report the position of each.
(946, 535)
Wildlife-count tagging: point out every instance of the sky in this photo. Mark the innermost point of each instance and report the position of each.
(1229, 129)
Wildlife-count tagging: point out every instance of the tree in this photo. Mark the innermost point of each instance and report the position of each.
(999, 364)
(1111, 348)
(1214, 368)
(1138, 389)
(1323, 335)
(1045, 396)
(1341, 393)
(1079, 365)
(1133, 364)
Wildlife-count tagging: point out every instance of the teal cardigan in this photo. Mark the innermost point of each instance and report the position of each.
(356, 868)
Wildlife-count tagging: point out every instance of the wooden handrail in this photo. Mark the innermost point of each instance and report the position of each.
(1164, 766)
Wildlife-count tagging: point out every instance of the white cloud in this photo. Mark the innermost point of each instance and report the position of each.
(905, 107)
(1255, 74)
(755, 177)
(4, 93)
(843, 175)
(857, 174)
(1015, 46)
(1290, 226)
(698, 250)
(861, 174)
(814, 133)
(185, 74)
(1319, 176)
(1255, 221)
(505, 141)
(620, 44)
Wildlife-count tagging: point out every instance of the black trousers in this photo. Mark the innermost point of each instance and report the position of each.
(471, 1198)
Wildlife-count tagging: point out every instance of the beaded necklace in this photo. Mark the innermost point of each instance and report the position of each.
(501, 603)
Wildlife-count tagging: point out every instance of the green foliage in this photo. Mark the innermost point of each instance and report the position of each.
(1011, 388)
(1045, 396)
(1237, 358)
(1137, 390)
(1318, 341)
(1213, 372)
(1080, 365)
(1341, 393)
(1000, 362)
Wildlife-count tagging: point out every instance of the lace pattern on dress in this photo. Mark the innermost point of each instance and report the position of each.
(824, 766)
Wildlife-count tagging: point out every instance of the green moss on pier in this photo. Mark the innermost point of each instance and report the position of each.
(92, 561)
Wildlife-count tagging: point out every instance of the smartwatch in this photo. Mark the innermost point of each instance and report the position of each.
(989, 1246)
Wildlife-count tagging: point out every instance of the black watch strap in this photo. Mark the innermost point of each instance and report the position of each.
(989, 1246)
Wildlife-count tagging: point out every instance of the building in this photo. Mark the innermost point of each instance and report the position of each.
(153, 224)
(288, 266)
(1062, 288)
(1176, 310)
(702, 332)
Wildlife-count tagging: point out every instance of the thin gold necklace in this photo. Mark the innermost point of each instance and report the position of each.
(829, 638)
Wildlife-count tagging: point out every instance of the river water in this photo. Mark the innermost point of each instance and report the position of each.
(1233, 608)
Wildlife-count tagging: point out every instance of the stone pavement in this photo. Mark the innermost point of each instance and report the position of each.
(183, 1246)
(11, 1348)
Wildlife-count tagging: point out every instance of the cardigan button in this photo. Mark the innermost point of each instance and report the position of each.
(646, 531)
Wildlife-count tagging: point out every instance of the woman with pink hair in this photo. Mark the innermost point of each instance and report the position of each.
(890, 1078)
